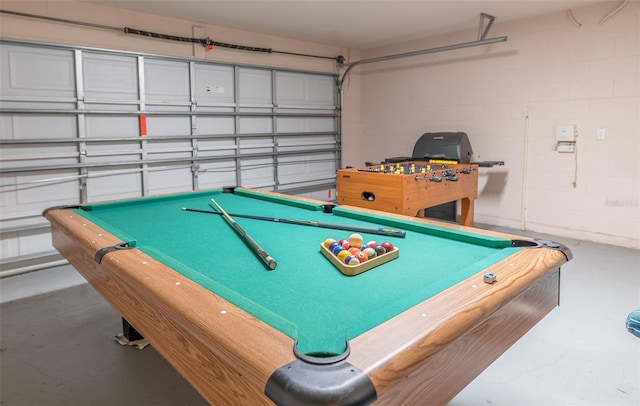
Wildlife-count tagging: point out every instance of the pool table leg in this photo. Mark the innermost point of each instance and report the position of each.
(129, 332)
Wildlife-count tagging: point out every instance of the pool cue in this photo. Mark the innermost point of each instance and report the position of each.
(266, 258)
(360, 229)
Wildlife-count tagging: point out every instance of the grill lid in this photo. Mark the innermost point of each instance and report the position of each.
(443, 145)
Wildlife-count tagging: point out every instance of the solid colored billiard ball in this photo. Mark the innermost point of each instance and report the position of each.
(380, 250)
(328, 242)
(354, 251)
(356, 240)
(371, 253)
(388, 247)
(333, 245)
(343, 254)
(336, 250)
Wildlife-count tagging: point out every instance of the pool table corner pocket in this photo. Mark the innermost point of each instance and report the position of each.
(308, 383)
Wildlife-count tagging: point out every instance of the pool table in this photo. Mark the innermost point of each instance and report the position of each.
(412, 330)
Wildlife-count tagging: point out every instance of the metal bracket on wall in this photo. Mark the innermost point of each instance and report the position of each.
(482, 30)
(482, 33)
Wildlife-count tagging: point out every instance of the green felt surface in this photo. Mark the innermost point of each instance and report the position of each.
(305, 297)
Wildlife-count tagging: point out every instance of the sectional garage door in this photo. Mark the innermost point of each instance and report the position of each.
(81, 125)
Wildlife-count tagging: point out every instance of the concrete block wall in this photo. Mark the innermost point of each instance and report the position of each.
(510, 97)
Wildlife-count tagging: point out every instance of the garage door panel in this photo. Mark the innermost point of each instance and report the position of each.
(257, 172)
(23, 157)
(214, 84)
(110, 77)
(170, 147)
(166, 81)
(216, 125)
(111, 127)
(167, 126)
(110, 183)
(29, 192)
(290, 89)
(305, 143)
(217, 147)
(256, 145)
(255, 86)
(28, 242)
(217, 174)
(311, 165)
(311, 124)
(297, 89)
(37, 72)
(321, 91)
(169, 180)
(16, 127)
(255, 125)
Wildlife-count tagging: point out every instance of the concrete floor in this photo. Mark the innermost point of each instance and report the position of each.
(58, 348)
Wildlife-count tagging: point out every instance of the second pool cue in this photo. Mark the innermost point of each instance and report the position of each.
(346, 227)
(262, 254)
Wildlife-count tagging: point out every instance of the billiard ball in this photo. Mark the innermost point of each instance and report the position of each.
(351, 260)
(328, 242)
(343, 254)
(354, 251)
(336, 250)
(372, 244)
(333, 245)
(356, 240)
(380, 250)
(342, 241)
(371, 253)
(345, 244)
(362, 256)
(388, 247)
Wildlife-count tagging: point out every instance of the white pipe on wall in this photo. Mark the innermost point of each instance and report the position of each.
(525, 172)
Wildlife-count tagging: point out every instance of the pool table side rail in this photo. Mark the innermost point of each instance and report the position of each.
(176, 315)
(412, 224)
(304, 203)
(433, 350)
(498, 235)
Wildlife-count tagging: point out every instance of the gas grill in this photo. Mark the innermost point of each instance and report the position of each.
(443, 147)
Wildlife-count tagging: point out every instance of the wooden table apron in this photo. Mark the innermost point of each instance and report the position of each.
(228, 355)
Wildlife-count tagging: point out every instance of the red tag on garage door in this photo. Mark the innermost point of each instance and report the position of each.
(143, 125)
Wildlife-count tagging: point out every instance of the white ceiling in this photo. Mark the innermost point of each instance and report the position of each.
(357, 24)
